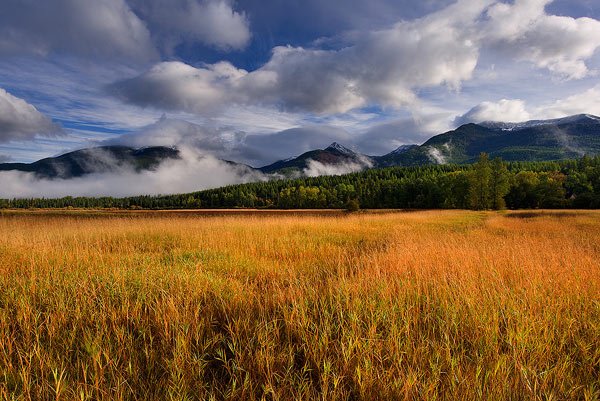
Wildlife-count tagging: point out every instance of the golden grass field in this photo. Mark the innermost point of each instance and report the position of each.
(432, 305)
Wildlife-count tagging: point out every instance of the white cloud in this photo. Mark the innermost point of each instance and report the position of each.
(436, 156)
(515, 110)
(525, 31)
(192, 173)
(386, 67)
(505, 110)
(587, 102)
(20, 120)
(382, 67)
(178, 86)
(316, 168)
(212, 22)
(217, 141)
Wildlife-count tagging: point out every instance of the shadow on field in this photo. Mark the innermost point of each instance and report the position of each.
(103, 213)
(542, 213)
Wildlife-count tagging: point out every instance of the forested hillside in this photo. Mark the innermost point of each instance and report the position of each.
(487, 184)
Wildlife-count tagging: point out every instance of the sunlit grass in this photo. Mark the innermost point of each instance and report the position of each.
(422, 305)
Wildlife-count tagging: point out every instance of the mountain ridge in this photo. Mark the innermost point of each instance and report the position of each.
(534, 140)
(101, 159)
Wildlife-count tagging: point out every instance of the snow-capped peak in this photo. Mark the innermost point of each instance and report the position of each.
(340, 148)
(402, 149)
(537, 123)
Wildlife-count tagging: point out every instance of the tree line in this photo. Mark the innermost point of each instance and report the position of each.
(486, 184)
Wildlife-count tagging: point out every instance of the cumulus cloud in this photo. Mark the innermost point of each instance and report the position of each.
(515, 110)
(505, 110)
(386, 67)
(212, 22)
(20, 120)
(525, 31)
(381, 67)
(177, 86)
(587, 102)
(99, 29)
(192, 172)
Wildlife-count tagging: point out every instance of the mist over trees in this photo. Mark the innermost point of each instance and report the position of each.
(482, 186)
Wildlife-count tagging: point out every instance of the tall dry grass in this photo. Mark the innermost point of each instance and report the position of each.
(424, 305)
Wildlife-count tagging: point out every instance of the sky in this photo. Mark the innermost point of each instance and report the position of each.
(256, 81)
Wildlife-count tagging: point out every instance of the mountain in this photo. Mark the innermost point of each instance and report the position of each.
(538, 140)
(333, 155)
(391, 158)
(96, 160)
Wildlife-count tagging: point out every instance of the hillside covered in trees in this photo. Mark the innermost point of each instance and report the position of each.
(487, 184)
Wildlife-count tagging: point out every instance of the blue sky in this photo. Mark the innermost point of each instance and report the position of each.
(260, 80)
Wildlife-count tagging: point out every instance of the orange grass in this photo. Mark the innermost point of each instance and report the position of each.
(424, 305)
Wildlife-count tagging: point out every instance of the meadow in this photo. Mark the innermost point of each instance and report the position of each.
(428, 305)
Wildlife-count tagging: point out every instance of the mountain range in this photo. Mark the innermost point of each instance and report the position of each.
(538, 140)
